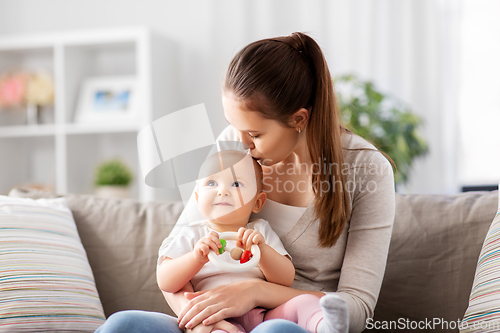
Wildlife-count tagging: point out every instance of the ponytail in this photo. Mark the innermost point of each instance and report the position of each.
(332, 206)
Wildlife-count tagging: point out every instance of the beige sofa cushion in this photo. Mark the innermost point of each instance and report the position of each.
(122, 238)
(435, 244)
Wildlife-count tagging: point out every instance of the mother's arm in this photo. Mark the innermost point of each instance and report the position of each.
(178, 300)
(235, 299)
(369, 236)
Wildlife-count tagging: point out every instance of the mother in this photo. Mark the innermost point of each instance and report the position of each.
(330, 193)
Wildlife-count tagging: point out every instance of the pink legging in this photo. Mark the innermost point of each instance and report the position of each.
(303, 310)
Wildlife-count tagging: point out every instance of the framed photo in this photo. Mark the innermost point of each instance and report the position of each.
(104, 99)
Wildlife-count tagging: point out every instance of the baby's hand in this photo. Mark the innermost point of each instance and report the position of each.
(221, 326)
(200, 329)
(248, 237)
(202, 248)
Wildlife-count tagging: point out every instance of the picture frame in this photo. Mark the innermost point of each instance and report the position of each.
(105, 99)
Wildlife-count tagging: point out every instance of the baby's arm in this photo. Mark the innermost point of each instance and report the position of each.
(173, 274)
(276, 267)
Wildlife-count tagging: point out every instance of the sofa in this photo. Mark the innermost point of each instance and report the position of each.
(432, 258)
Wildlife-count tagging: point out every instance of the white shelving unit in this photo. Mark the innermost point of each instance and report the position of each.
(60, 152)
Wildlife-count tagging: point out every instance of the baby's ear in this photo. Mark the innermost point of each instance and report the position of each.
(259, 203)
(196, 195)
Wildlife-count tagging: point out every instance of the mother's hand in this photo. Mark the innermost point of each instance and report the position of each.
(212, 306)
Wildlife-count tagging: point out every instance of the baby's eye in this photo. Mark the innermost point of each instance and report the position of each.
(252, 136)
(211, 183)
(237, 184)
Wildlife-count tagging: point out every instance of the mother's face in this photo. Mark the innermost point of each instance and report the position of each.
(269, 141)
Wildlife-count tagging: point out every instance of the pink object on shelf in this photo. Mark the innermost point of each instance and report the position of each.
(12, 90)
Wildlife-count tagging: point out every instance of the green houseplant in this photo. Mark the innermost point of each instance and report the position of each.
(112, 178)
(383, 120)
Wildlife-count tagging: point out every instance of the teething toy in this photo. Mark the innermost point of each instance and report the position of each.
(253, 256)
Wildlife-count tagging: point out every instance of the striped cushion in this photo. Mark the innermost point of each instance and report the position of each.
(46, 283)
(483, 313)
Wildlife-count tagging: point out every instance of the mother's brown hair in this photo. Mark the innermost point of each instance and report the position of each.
(279, 76)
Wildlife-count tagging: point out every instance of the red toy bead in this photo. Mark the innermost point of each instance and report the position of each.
(245, 257)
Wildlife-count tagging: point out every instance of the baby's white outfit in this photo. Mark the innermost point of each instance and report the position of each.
(211, 276)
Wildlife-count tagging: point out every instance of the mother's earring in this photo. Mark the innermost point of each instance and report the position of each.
(298, 130)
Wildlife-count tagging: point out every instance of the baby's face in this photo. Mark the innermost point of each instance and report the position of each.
(229, 196)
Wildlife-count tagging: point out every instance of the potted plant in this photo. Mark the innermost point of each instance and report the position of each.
(383, 120)
(112, 179)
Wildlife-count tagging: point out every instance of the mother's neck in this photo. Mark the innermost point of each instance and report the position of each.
(299, 157)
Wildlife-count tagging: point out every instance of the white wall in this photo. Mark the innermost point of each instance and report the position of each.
(480, 100)
(396, 43)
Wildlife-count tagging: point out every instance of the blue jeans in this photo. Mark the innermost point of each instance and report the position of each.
(134, 321)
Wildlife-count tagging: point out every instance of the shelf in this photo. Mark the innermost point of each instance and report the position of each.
(86, 152)
(27, 161)
(27, 59)
(50, 129)
(27, 131)
(95, 36)
(64, 153)
(100, 128)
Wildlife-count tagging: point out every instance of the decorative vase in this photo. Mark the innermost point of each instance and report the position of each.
(32, 111)
(113, 191)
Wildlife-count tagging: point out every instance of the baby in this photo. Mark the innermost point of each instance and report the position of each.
(229, 189)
